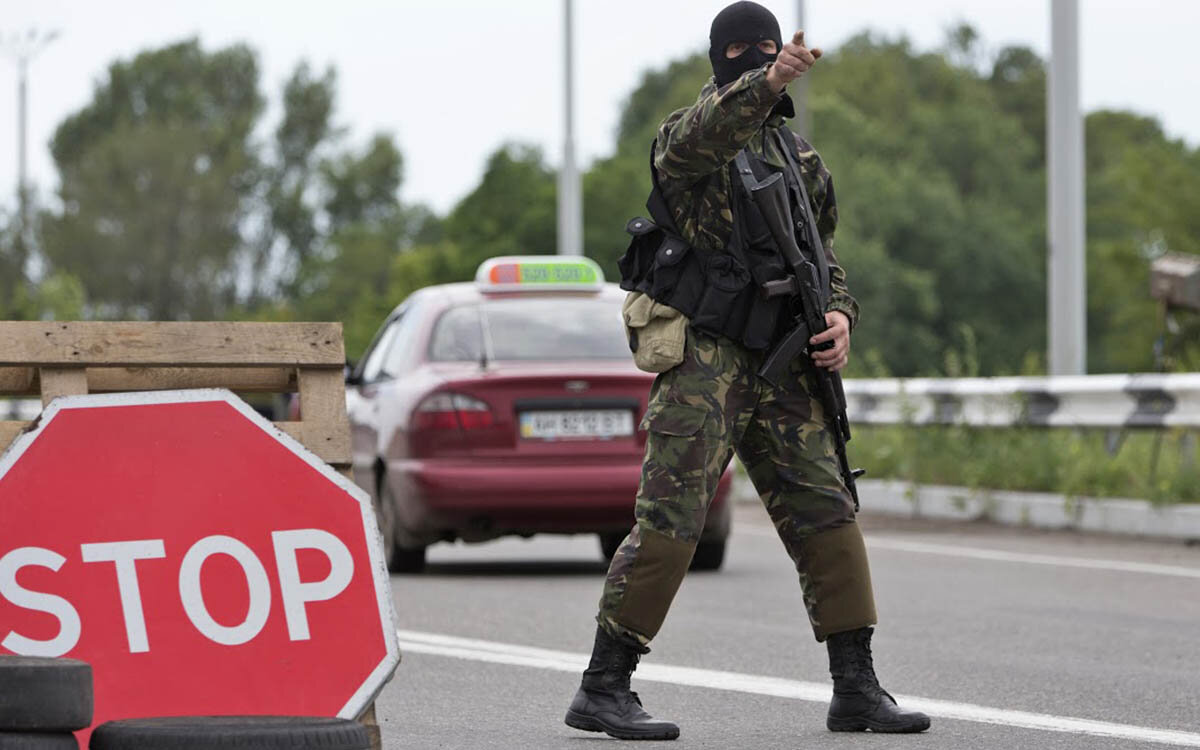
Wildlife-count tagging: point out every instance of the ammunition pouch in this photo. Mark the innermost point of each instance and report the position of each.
(714, 290)
(656, 333)
(720, 291)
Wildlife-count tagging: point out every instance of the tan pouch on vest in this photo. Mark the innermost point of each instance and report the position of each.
(656, 332)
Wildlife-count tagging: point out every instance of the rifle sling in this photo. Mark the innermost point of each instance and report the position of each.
(792, 153)
(656, 204)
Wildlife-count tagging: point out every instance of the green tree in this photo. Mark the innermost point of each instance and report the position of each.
(172, 209)
(12, 272)
(1142, 191)
(155, 174)
(289, 235)
(934, 190)
(512, 212)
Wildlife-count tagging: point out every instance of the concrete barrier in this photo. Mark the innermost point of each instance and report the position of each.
(1040, 510)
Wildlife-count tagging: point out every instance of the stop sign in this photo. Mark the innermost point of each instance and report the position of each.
(201, 560)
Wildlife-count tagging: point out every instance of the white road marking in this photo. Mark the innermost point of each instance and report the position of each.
(980, 553)
(563, 661)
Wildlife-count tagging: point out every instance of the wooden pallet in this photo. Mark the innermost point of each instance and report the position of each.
(51, 359)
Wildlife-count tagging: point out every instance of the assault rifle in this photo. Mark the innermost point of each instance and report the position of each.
(804, 288)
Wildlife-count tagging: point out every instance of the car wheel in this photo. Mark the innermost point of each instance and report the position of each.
(709, 555)
(385, 517)
(610, 542)
(408, 559)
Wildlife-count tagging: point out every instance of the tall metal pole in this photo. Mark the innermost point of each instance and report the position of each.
(23, 50)
(22, 178)
(570, 194)
(800, 88)
(1066, 301)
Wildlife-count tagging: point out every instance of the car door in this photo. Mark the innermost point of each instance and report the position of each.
(362, 405)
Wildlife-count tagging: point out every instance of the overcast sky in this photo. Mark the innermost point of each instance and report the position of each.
(453, 79)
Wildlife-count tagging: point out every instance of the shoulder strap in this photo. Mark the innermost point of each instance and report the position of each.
(792, 153)
(656, 204)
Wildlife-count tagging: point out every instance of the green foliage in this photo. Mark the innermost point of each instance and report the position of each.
(934, 191)
(288, 181)
(12, 271)
(172, 209)
(512, 212)
(59, 296)
(1076, 463)
(155, 172)
(1142, 193)
(938, 159)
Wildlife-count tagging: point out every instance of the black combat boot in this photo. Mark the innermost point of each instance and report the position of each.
(604, 702)
(859, 703)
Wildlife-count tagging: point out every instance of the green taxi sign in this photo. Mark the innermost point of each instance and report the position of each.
(539, 273)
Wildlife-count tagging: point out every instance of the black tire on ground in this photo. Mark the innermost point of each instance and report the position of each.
(610, 542)
(39, 694)
(38, 741)
(408, 560)
(709, 555)
(241, 732)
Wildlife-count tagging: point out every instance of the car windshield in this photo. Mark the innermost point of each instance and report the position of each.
(543, 328)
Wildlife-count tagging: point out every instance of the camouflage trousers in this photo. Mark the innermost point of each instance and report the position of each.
(699, 413)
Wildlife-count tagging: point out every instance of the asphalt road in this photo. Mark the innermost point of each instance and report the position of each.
(1010, 638)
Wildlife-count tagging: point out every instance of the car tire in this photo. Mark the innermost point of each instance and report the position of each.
(38, 741)
(709, 555)
(408, 559)
(610, 542)
(241, 732)
(40, 694)
(384, 505)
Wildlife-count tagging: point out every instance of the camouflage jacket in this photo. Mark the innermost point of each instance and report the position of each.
(700, 140)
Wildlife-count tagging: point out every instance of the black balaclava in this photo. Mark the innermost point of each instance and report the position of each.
(741, 22)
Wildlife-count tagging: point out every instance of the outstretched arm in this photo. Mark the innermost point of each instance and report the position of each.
(701, 139)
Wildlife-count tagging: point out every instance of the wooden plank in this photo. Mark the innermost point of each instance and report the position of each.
(323, 398)
(17, 381)
(216, 344)
(21, 381)
(9, 431)
(242, 379)
(371, 723)
(62, 381)
(331, 445)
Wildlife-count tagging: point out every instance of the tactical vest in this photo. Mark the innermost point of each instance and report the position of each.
(720, 291)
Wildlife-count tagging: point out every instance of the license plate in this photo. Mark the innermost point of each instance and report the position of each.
(590, 423)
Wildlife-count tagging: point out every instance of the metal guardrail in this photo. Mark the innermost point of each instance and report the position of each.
(1102, 401)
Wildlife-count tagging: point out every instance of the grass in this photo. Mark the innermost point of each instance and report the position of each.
(1077, 463)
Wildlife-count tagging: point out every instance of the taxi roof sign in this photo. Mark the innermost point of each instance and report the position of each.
(539, 273)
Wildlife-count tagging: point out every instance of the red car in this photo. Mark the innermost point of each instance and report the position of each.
(506, 406)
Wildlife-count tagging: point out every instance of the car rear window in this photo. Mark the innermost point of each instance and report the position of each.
(546, 328)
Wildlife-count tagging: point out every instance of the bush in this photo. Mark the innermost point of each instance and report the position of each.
(1161, 466)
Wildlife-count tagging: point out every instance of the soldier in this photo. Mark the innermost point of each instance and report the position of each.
(713, 401)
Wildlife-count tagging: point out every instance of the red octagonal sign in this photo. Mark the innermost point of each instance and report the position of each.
(202, 561)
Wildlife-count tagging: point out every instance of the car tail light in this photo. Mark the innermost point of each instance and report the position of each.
(449, 411)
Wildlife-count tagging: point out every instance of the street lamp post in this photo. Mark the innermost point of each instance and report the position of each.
(570, 198)
(1067, 282)
(802, 123)
(22, 49)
